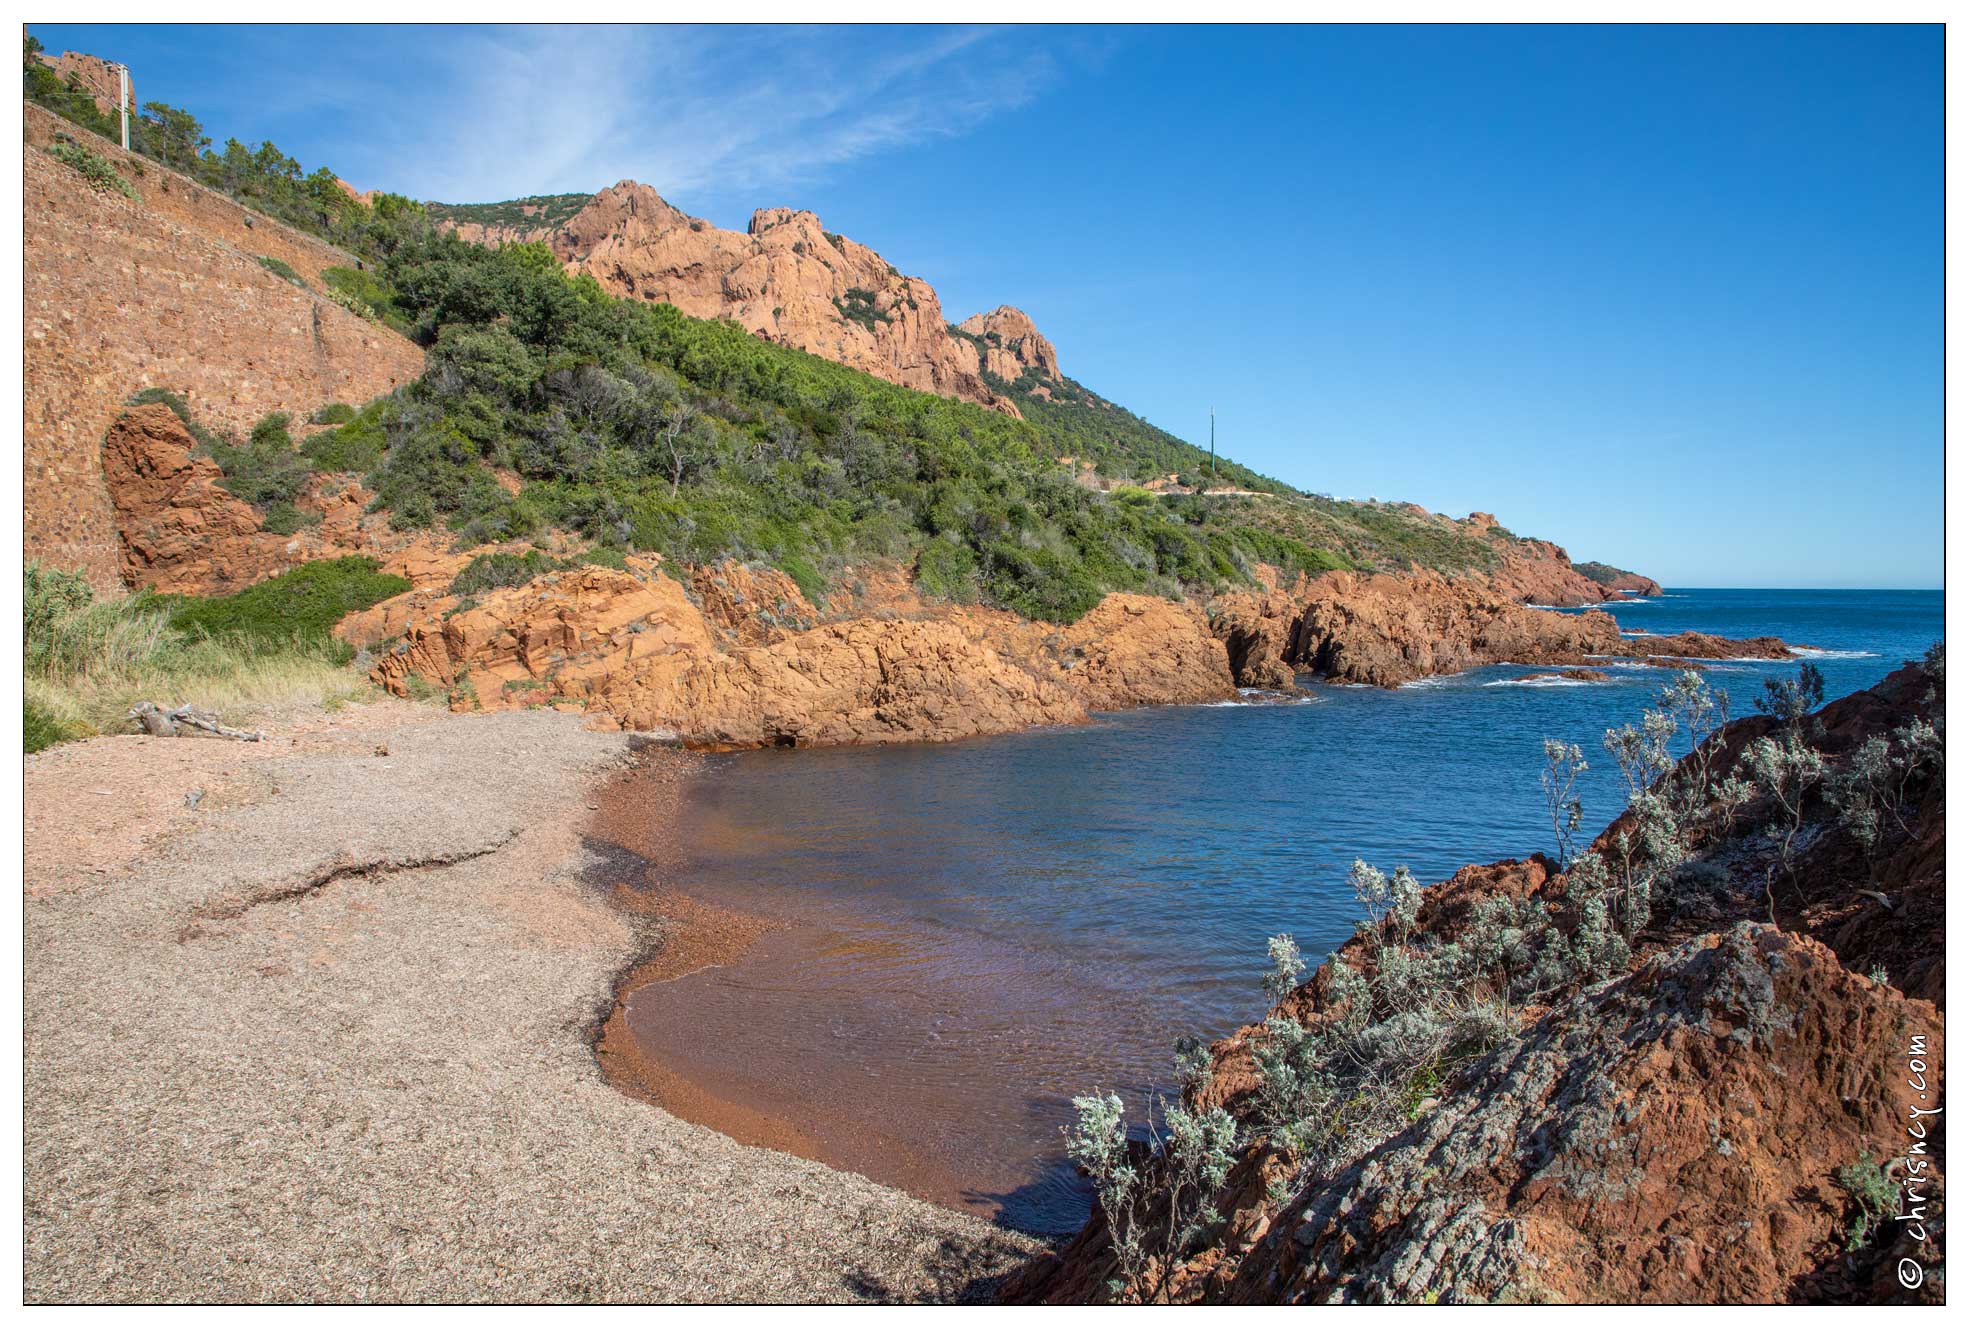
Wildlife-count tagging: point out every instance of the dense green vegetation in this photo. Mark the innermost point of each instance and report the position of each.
(548, 210)
(646, 430)
(303, 604)
(643, 429)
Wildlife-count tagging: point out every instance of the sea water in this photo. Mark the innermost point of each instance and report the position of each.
(974, 932)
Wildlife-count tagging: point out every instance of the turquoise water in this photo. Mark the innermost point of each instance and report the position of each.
(979, 930)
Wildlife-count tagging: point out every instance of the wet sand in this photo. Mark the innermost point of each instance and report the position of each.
(932, 1057)
(669, 1064)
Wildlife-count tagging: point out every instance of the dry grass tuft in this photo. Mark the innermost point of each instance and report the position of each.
(88, 661)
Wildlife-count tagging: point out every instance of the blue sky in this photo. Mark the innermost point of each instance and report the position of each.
(1669, 296)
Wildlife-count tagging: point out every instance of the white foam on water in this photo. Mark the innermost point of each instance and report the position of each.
(1545, 681)
(1814, 653)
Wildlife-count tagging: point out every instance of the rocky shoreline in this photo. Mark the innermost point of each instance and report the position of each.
(735, 657)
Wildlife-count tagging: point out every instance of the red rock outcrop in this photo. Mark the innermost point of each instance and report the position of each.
(1704, 646)
(1011, 344)
(1669, 1139)
(97, 76)
(163, 292)
(743, 667)
(179, 530)
(789, 280)
(1618, 582)
(756, 605)
(1386, 629)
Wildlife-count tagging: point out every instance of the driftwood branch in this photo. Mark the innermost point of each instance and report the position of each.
(161, 723)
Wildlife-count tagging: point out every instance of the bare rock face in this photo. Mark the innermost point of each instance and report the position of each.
(179, 530)
(756, 605)
(1706, 646)
(862, 681)
(789, 280)
(96, 75)
(1137, 650)
(1011, 344)
(1387, 629)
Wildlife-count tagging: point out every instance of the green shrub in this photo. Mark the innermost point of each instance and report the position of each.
(489, 572)
(334, 413)
(804, 575)
(303, 604)
(40, 729)
(281, 269)
(51, 597)
(354, 446)
(88, 660)
(266, 470)
(271, 430)
(947, 571)
(361, 292)
(283, 518)
(1039, 583)
(1875, 1193)
(858, 306)
(93, 166)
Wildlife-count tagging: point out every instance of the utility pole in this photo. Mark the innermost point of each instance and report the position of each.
(1213, 442)
(123, 101)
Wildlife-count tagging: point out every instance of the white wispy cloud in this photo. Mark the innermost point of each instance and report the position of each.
(739, 111)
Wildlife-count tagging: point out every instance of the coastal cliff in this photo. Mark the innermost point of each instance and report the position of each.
(1705, 1098)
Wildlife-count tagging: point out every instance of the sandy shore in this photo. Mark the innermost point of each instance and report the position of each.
(327, 1036)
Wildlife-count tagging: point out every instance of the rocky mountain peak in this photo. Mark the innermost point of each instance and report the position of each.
(786, 278)
(1010, 344)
